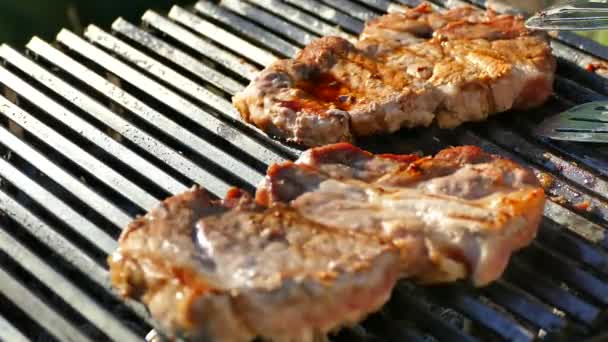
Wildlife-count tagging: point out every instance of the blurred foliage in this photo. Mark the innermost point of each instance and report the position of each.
(598, 36)
(22, 19)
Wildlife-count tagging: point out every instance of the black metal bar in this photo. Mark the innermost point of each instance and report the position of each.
(38, 310)
(281, 28)
(358, 11)
(74, 152)
(406, 306)
(383, 326)
(315, 7)
(87, 230)
(575, 247)
(153, 117)
(483, 314)
(52, 279)
(548, 291)
(379, 5)
(560, 268)
(526, 306)
(232, 136)
(103, 114)
(70, 182)
(246, 28)
(8, 332)
(221, 36)
(186, 37)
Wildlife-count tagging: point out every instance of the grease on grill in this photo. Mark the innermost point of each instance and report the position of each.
(583, 206)
(545, 179)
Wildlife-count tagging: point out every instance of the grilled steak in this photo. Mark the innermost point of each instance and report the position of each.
(231, 270)
(456, 215)
(407, 69)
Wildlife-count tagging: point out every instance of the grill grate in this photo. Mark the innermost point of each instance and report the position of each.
(96, 130)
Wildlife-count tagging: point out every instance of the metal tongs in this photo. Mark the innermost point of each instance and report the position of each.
(572, 15)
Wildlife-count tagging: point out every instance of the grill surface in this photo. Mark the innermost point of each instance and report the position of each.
(96, 130)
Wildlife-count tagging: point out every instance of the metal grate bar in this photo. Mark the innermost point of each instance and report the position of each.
(334, 16)
(271, 22)
(383, 325)
(65, 289)
(60, 176)
(175, 31)
(571, 64)
(181, 105)
(35, 308)
(299, 18)
(220, 35)
(232, 136)
(246, 28)
(206, 73)
(54, 240)
(379, 5)
(9, 333)
(560, 267)
(576, 223)
(86, 229)
(483, 314)
(358, 11)
(85, 129)
(547, 290)
(156, 119)
(526, 306)
(177, 56)
(573, 246)
(406, 306)
(231, 45)
(72, 151)
(68, 251)
(120, 125)
(180, 82)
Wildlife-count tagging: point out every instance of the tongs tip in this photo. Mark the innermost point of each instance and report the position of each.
(572, 15)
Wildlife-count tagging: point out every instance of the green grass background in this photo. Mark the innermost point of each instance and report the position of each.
(22, 19)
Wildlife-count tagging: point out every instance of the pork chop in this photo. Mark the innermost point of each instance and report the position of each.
(231, 270)
(480, 62)
(407, 69)
(459, 214)
(331, 91)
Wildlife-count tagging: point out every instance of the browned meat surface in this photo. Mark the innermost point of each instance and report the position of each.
(457, 215)
(231, 270)
(331, 91)
(407, 69)
(480, 62)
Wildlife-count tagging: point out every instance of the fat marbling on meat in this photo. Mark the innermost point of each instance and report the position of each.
(232, 270)
(457, 215)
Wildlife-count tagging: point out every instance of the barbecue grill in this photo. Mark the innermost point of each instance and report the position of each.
(97, 128)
